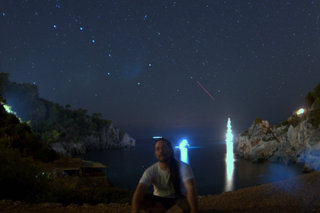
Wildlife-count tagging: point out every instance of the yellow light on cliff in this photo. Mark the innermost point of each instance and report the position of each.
(9, 110)
(300, 111)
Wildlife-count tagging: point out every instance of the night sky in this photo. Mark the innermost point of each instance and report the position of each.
(146, 65)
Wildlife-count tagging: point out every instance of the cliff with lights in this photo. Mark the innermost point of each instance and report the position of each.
(67, 131)
(296, 139)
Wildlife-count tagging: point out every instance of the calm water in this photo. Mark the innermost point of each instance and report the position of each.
(125, 167)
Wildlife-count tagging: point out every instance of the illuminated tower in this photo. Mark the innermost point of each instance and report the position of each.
(229, 158)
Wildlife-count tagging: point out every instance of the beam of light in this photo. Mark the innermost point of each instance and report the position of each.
(300, 111)
(183, 146)
(157, 137)
(229, 158)
(205, 90)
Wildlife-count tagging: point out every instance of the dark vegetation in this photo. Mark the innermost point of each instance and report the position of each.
(23, 153)
(312, 100)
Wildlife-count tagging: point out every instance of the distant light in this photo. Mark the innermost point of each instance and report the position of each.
(9, 110)
(81, 28)
(109, 55)
(139, 84)
(150, 65)
(108, 73)
(157, 137)
(93, 41)
(55, 26)
(3, 14)
(229, 159)
(183, 146)
(300, 111)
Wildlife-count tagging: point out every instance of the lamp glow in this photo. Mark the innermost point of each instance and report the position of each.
(300, 111)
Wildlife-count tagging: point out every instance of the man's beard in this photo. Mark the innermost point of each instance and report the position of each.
(164, 160)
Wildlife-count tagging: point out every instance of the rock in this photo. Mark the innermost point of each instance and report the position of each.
(295, 140)
(108, 138)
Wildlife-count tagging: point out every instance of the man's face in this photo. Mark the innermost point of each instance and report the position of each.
(162, 151)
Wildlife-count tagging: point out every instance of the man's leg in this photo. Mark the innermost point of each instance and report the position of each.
(175, 209)
(158, 208)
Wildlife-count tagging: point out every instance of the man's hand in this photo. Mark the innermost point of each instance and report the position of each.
(138, 197)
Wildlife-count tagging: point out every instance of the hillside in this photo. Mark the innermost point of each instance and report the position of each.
(67, 131)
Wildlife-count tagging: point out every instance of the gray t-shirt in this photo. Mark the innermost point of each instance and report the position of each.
(160, 179)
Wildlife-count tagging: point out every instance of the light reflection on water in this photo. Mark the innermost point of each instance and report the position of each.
(229, 159)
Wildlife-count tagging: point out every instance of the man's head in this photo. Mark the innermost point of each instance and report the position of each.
(163, 150)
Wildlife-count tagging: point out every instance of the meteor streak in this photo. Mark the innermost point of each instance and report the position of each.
(205, 90)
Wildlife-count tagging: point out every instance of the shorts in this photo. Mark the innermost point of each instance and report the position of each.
(150, 200)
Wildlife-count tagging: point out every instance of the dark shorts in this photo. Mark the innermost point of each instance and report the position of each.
(150, 200)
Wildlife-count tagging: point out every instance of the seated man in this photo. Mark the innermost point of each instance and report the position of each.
(173, 184)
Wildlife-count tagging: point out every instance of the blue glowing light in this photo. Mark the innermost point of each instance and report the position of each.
(183, 146)
(93, 41)
(139, 84)
(3, 14)
(157, 137)
(229, 157)
(55, 26)
(81, 28)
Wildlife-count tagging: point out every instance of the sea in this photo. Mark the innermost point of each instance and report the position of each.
(213, 173)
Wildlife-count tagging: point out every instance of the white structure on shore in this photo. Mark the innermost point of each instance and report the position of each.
(229, 158)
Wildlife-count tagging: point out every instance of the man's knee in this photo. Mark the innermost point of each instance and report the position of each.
(175, 209)
(183, 204)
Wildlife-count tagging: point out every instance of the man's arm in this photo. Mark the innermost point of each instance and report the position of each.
(138, 197)
(191, 195)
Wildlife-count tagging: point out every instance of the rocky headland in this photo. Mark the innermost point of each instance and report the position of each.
(68, 131)
(295, 140)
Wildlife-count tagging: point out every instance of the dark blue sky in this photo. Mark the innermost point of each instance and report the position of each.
(138, 62)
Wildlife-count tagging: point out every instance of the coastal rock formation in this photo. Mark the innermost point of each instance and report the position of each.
(294, 140)
(68, 131)
(109, 138)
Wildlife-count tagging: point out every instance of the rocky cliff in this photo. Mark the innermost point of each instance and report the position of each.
(67, 131)
(109, 138)
(294, 140)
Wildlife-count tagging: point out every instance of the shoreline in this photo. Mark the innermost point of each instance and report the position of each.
(298, 194)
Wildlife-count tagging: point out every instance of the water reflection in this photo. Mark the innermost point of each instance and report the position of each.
(229, 159)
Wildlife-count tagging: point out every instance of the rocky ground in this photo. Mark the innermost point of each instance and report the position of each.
(299, 194)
